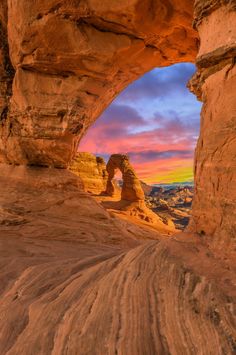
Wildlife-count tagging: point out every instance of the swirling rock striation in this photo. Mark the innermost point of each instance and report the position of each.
(74, 280)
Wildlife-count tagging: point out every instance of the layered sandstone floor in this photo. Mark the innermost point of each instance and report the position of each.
(76, 280)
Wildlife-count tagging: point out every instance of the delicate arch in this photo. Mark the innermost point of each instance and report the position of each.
(131, 188)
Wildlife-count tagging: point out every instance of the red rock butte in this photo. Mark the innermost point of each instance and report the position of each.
(74, 279)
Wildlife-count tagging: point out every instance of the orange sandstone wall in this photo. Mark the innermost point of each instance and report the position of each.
(214, 211)
(91, 170)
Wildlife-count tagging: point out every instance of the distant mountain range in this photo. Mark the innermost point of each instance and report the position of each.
(150, 189)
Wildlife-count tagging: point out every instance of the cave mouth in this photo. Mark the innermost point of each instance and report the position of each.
(155, 122)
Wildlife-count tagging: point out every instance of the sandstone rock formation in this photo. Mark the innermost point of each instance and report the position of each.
(71, 60)
(131, 188)
(132, 195)
(6, 74)
(73, 278)
(173, 204)
(91, 170)
(147, 189)
(214, 205)
(62, 63)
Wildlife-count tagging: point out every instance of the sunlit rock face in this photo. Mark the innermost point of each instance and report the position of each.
(131, 190)
(214, 211)
(73, 57)
(74, 279)
(91, 170)
(132, 194)
(68, 60)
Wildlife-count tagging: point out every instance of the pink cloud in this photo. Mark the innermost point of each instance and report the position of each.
(155, 143)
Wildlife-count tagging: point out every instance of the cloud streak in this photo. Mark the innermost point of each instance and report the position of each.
(159, 83)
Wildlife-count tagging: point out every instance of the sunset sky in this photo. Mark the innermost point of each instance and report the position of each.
(156, 122)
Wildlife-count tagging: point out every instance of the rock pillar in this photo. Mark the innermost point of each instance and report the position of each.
(131, 189)
(214, 207)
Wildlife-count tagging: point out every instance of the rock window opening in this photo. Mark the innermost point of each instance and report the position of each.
(155, 123)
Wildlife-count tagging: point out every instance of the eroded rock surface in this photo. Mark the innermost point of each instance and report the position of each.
(72, 277)
(214, 209)
(6, 76)
(171, 203)
(132, 199)
(73, 57)
(91, 170)
(74, 280)
(131, 189)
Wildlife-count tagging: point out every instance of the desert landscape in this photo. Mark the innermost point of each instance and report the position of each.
(92, 262)
(172, 203)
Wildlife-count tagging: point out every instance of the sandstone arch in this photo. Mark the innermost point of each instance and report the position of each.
(68, 60)
(71, 60)
(131, 188)
(132, 195)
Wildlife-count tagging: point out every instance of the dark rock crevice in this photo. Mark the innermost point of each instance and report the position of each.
(7, 73)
